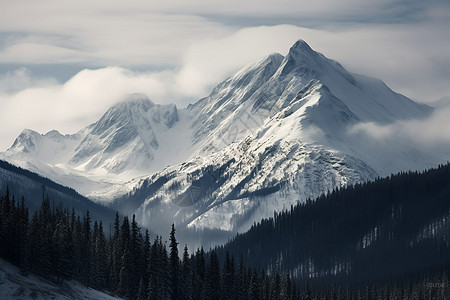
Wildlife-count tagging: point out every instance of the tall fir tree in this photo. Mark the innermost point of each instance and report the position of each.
(188, 288)
(124, 287)
(212, 289)
(174, 261)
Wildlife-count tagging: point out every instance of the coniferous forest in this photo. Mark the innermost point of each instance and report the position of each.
(378, 240)
(393, 231)
(60, 245)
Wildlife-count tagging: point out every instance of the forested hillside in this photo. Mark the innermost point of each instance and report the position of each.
(31, 186)
(388, 238)
(395, 229)
(60, 245)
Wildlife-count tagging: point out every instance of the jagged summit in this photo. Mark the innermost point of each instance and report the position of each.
(132, 100)
(301, 49)
(25, 141)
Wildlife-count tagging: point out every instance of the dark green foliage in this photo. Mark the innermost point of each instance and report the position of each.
(212, 288)
(30, 185)
(228, 277)
(397, 227)
(187, 276)
(175, 282)
(406, 257)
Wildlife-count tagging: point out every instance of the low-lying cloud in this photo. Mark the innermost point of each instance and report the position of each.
(430, 135)
(175, 51)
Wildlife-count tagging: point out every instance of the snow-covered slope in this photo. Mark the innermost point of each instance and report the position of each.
(14, 285)
(133, 138)
(29, 185)
(276, 132)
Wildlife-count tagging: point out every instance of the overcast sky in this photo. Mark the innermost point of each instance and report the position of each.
(63, 63)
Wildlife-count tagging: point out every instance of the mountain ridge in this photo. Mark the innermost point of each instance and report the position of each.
(276, 132)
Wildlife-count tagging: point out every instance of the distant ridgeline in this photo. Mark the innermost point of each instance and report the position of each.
(31, 186)
(392, 230)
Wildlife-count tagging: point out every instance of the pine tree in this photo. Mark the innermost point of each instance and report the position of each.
(275, 289)
(115, 255)
(86, 250)
(101, 257)
(212, 288)
(174, 266)
(124, 287)
(239, 281)
(198, 273)
(44, 242)
(164, 289)
(136, 268)
(77, 237)
(188, 288)
(95, 274)
(24, 262)
(253, 286)
(228, 277)
(142, 292)
(62, 249)
(153, 270)
(146, 265)
(286, 288)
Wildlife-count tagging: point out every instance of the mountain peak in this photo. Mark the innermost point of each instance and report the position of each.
(26, 140)
(303, 59)
(301, 50)
(122, 112)
(262, 69)
(138, 100)
(300, 45)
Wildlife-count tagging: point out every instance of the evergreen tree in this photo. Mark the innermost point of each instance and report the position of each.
(187, 275)
(101, 250)
(275, 289)
(44, 242)
(146, 265)
(124, 287)
(199, 273)
(253, 287)
(115, 255)
(286, 288)
(228, 277)
(142, 292)
(212, 288)
(137, 265)
(62, 251)
(174, 266)
(239, 281)
(164, 277)
(77, 237)
(86, 250)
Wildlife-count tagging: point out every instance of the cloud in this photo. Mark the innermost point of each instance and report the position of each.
(20, 79)
(429, 135)
(176, 51)
(209, 61)
(74, 104)
(70, 105)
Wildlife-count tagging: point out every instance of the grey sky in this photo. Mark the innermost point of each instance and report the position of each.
(67, 61)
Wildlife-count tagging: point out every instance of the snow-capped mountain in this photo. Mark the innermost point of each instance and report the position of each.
(129, 140)
(276, 132)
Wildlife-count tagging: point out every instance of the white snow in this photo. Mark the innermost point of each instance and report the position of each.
(13, 285)
(278, 131)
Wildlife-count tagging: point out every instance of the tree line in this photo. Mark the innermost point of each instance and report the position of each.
(392, 230)
(58, 244)
(384, 239)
